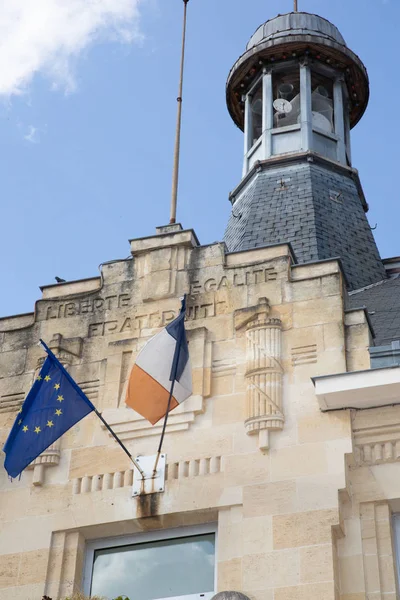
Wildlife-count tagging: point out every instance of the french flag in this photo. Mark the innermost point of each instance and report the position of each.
(161, 377)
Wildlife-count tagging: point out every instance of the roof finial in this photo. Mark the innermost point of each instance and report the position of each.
(175, 172)
(295, 6)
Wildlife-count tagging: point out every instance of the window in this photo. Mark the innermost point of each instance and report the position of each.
(385, 356)
(286, 100)
(173, 564)
(396, 532)
(322, 102)
(256, 105)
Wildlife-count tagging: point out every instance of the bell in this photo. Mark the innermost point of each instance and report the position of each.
(285, 91)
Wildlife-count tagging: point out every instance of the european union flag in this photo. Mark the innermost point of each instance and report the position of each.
(53, 405)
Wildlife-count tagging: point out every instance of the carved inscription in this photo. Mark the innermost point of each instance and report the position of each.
(251, 276)
(87, 306)
(140, 321)
(206, 309)
(132, 324)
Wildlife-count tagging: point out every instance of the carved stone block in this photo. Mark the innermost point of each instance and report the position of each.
(264, 372)
(49, 458)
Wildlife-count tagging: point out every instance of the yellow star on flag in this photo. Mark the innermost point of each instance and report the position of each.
(60, 398)
(25, 428)
(58, 412)
(47, 378)
(38, 378)
(57, 386)
(50, 424)
(37, 430)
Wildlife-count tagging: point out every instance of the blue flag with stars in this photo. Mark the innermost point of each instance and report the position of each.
(53, 405)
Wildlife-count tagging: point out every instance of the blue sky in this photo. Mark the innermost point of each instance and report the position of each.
(87, 118)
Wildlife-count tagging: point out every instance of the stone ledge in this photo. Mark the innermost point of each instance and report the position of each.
(185, 237)
(80, 286)
(14, 322)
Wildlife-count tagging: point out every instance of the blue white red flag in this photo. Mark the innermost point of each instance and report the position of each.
(161, 366)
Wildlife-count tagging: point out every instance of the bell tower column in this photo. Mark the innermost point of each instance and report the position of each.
(305, 103)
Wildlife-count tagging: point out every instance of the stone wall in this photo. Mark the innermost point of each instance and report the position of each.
(250, 450)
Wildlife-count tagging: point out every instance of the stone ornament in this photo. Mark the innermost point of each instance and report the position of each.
(230, 596)
(264, 372)
(66, 349)
(49, 458)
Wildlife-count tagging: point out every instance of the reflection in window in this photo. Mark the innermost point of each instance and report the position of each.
(286, 91)
(256, 114)
(322, 102)
(159, 569)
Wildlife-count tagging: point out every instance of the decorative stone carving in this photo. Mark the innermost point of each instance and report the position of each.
(65, 350)
(175, 471)
(264, 372)
(11, 402)
(377, 443)
(50, 457)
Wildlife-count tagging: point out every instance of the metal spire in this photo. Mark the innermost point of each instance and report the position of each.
(295, 6)
(175, 172)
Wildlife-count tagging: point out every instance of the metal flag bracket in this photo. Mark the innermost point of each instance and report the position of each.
(152, 482)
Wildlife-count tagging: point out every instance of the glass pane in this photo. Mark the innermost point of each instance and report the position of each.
(256, 114)
(286, 91)
(161, 569)
(396, 524)
(322, 102)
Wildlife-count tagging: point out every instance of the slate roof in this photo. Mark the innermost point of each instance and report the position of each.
(314, 207)
(383, 303)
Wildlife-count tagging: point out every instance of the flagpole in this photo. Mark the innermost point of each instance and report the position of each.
(175, 172)
(164, 424)
(174, 370)
(124, 448)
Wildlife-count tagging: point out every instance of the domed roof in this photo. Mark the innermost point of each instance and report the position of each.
(297, 34)
(298, 23)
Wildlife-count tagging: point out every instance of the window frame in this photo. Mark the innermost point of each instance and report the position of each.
(283, 68)
(396, 544)
(249, 125)
(149, 536)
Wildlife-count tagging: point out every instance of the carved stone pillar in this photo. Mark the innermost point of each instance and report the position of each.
(65, 350)
(264, 373)
(50, 457)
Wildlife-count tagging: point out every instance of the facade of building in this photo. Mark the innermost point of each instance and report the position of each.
(282, 479)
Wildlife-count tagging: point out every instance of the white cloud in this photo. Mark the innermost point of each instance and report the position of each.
(47, 35)
(32, 136)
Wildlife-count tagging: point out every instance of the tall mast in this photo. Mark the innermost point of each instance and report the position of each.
(175, 172)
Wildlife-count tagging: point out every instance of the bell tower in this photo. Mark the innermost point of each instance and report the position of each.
(296, 93)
